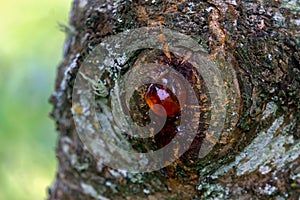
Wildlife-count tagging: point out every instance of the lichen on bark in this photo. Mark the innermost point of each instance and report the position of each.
(257, 157)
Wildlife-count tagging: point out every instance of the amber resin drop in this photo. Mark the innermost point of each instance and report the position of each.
(159, 94)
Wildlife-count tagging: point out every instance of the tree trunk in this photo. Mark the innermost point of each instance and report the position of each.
(257, 154)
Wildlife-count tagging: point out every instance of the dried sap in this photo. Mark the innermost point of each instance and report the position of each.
(159, 94)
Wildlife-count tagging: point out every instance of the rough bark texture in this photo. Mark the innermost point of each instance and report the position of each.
(259, 158)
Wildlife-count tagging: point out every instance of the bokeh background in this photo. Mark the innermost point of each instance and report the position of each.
(30, 51)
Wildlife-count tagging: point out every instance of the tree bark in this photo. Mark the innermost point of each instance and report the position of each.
(257, 156)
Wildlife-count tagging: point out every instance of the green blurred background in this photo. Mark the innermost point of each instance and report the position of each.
(30, 51)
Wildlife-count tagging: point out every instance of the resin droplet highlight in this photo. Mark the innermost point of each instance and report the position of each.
(159, 94)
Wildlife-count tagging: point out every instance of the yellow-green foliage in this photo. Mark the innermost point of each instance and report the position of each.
(30, 50)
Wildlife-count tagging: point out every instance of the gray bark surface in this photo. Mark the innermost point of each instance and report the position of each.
(258, 158)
